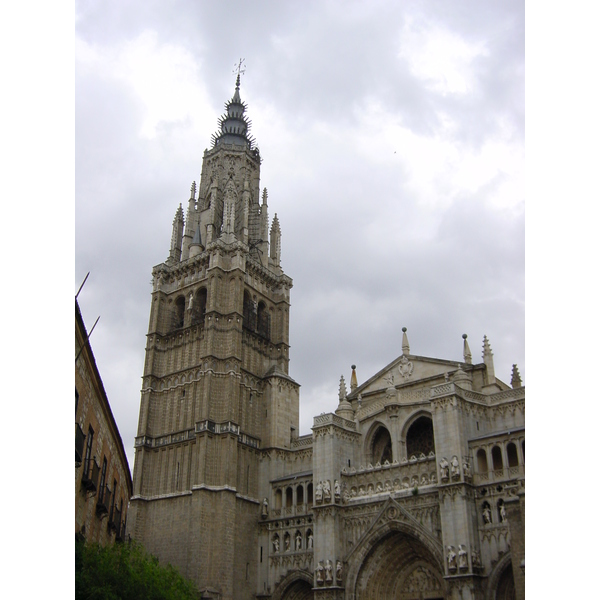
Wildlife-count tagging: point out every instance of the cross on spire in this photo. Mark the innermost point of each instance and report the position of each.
(240, 69)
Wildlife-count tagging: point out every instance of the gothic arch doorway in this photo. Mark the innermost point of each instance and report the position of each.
(400, 567)
(296, 586)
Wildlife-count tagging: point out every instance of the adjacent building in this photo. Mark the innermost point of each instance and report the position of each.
(103, 483)
(412, 489)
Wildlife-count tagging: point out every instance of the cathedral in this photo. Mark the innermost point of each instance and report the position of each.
(414, 488)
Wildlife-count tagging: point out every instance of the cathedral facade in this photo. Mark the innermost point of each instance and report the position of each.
(413, 489)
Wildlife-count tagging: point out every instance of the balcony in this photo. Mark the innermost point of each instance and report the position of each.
(500, 475)
(79, 443)
(103, 501)
(89, 479)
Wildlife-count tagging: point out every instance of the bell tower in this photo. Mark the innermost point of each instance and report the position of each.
(216, 390)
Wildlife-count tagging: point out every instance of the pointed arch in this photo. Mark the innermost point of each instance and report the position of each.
(386, 556)
(378, 444)
(296, 585)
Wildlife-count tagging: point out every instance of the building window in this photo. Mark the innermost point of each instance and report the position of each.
(419, 438)
(381, 446)
(199, 307)
(88, 453)
(511, 455)
(497, 458)
(482, 466)
(179, 312)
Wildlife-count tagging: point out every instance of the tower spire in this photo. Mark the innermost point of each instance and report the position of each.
(488, 360)
(405, 346)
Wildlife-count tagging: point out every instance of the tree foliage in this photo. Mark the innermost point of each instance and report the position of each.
(126, 572)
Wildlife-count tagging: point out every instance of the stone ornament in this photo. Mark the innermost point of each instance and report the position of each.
(319, 493)
(444, 468)
(487, 514)
(326, 491)
(451, 558)
(310, 540)
(502, 511)
(338, 570)
(405, 367)
(337, 491)
(475, 560)
(286, 542)
(298, 541)
(463, 558)
(265, 509)
(466, 469)
(319, 571)
(276, 543)
(455, 467)
(328, 572)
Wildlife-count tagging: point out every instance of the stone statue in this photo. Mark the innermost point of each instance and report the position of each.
(310, 540)
(286, 541)
(467, 469)
(319, 572)
(319, 493)
(451, 557)
(475, 560)
(328, 572)
(326, 491)
(455, 467)
(265, 509)
(191, 302)
(338, 570)
(487, 514)
(276, 544)
(463, 557)
(443, 468)
(337, 490)
(502, 513)
(298, 541)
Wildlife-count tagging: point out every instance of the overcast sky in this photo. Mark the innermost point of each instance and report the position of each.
(392, 138)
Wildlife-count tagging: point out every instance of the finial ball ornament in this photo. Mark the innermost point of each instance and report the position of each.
(464, 336)
(404, 329)
(353, 366)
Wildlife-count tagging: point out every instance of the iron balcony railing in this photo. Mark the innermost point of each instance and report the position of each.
(104, 495)
(90, 474)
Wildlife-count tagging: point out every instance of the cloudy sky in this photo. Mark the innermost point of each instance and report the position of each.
(392, 138)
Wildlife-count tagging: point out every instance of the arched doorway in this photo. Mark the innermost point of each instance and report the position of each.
(297, 585)
(402, 567)
(506, 585)
(299, 590)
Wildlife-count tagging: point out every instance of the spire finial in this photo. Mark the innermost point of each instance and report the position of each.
(343, 391)
(515, 380)
(240, 69)
(353, 379)
(466, 350)
(265, 195)
(405, 346)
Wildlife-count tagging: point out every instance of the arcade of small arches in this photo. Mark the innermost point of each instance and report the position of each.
(293, 499)
(190, 309)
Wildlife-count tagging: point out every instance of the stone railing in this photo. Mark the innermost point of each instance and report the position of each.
(498, 475)
(302, 441)
(331, 419)
(386, 478)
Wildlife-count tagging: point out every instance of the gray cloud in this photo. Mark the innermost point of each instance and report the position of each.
(392, 137)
